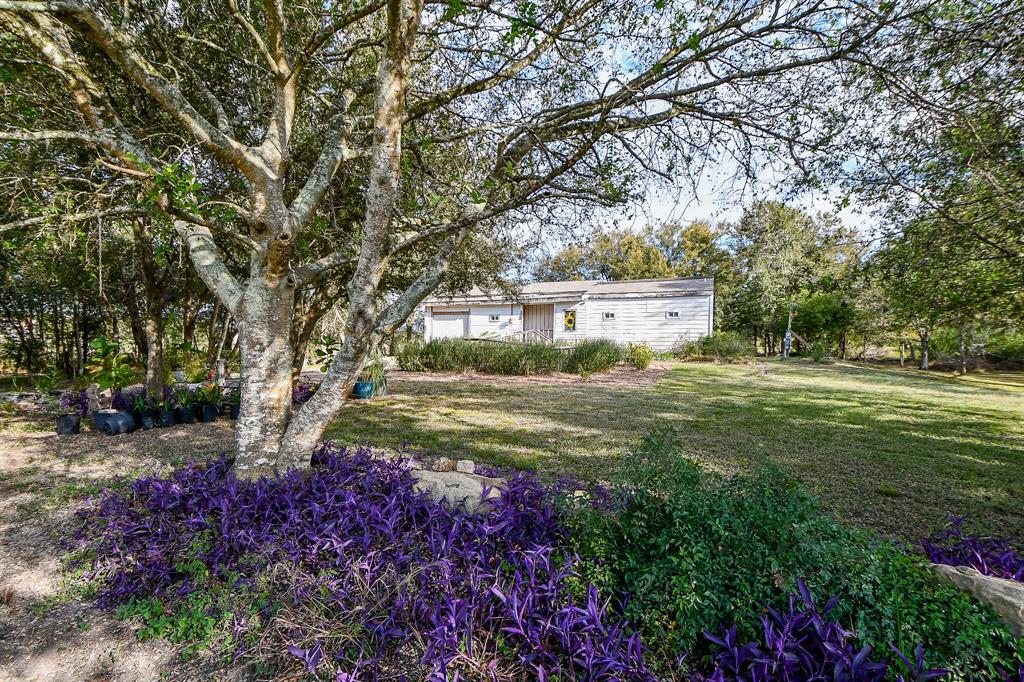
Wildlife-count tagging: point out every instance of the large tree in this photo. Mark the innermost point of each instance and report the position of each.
(454, 120)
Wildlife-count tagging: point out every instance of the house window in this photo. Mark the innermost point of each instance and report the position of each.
(609, 316)
(672, 314)
(492, 318)
(570, 321)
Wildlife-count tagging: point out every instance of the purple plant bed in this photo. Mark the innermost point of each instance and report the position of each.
(458, 583)
(988, 556)
(462, 596)
(802, 644)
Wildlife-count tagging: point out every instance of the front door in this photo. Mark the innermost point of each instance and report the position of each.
(539, 321)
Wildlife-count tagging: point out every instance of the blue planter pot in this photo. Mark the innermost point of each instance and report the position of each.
(100, 418)
(167, 418)
(187, 415)
(207, 413)
(362, 390)
(68, 424)
(120, 422)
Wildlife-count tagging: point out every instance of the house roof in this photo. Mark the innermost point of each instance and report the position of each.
(575, 290)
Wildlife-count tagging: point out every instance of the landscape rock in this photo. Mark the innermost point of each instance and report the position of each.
(457, 488)
(465, 466)
(1006, 597)
(444, 464)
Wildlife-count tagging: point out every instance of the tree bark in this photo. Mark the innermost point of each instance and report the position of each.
(264, 321)
(924, 350)
(962, 350)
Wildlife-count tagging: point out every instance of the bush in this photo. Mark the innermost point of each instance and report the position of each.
(639, 355)
(718, 347)
(818, 351)
(695, 551)
(457, 355)
(409, 356)
(591, 356)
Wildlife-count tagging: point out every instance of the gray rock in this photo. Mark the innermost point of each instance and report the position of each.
(1005, 596)
(444, 464)
(456, 488)
(465, 466)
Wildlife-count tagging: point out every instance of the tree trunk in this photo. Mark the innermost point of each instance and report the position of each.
(138, 326)
(902, 354)
(264, 321)
(155, 355)
(924, 350)
(962, 349)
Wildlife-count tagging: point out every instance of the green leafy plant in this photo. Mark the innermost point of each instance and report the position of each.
(639, 355)
(377, 374)
(591, 356)
(818, 351)
(718, 347)
(695, 550)
(210, 394)
(324, 350)
(108, 366)
(233, 396)
(185, 396)
(48, 380)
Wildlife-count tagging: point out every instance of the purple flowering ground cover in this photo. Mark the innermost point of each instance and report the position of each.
(349, 574)
(989, 556)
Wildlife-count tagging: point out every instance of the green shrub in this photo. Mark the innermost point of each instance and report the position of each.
(718, 347)
(639, 355)
(696, 551)
(522, 359)
(591, 356)
(448, 355)
(409, 356)
(818, 351)
(517, 358)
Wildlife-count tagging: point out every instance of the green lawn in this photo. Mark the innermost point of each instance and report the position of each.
(890, 449)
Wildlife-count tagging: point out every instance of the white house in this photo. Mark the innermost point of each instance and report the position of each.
(658, 311)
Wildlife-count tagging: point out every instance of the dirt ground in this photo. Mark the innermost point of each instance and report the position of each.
(43, 478)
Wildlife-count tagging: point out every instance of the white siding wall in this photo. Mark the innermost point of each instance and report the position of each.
(636, 319)
(480, 324)
(643, 319)
(581, 321)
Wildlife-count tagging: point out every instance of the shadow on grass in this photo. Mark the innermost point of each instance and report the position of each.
(884, 448)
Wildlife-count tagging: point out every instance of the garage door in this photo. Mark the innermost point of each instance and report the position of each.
(449, 325)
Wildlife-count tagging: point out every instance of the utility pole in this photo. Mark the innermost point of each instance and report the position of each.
(787, 341)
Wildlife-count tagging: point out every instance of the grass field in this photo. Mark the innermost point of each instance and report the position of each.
(895, 450)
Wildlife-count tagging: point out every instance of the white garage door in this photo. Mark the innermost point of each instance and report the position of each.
(449, 325)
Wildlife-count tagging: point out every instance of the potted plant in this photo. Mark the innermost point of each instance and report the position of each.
(167, 416)
(210, 396)
(233, 399)
(143, 409)
(75, 405)
(373, 381)
(185, 397)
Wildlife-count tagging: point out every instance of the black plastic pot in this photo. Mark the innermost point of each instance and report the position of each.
(187, 415)
(68, 424)
(121, 422)
(167, 418)
(207, 413)
(138, 417)
(100, 417)
(146, 421)
(233, 411)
